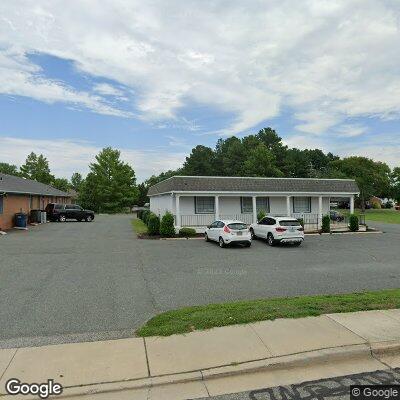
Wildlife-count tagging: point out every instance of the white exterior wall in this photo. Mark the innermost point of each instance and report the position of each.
(228, 205)
(159, 205)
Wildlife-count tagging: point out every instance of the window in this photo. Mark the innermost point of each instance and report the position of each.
(262, 204)
(1, 204)
(246, 205)
(301, 204)
(269, 221)
(204, 205)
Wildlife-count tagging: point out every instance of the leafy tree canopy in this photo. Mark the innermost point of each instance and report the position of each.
(110, 185)
(37, 168)
(9, 169)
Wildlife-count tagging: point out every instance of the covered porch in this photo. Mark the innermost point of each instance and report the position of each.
(199, 210)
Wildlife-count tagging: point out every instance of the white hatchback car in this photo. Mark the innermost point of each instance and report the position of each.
(228, 232)
(278, 230)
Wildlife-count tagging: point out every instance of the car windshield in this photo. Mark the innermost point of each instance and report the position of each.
(237, 226)
(289, 223)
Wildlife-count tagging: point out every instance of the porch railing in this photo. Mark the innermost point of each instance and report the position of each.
(197, 219)
(246, 218)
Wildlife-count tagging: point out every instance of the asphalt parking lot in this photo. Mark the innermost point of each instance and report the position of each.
(65, 282)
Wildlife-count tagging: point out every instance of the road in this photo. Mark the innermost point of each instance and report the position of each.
(67, 282)
(337, 388)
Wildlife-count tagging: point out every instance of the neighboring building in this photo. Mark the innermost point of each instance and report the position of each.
(23, 195)
(198, 200)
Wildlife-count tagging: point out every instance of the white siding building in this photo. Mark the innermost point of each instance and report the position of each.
(196, 201)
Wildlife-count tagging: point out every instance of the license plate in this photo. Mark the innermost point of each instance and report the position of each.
(239, 233)
(291, 229)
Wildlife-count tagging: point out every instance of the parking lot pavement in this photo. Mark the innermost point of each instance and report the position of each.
(91, 281)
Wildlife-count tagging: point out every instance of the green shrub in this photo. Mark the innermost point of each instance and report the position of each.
(353, 223)
(153, 224)
(261, 214)
(145, 216)
(187, 232)
(301, 220)
(376, 206)
(326, 224)
(167, 226)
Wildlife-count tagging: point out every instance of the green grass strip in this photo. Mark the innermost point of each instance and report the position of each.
(139, 226)
(209, 316)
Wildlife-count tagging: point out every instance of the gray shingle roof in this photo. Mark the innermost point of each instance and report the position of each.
(251, 184)
(15, 184)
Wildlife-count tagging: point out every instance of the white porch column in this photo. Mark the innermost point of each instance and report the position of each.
(216, 207)
(320, 211)
(254, 199)
(288, 211)
(351, 204)
(177, 211)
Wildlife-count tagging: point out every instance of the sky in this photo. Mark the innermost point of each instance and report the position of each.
(155, 78)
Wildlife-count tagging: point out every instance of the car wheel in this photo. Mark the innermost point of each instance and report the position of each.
(206, 237)
(297, 244)
(248, 244)
(221, 242)
(89, 218)
(253, 235)
(62, 218)
(270, 240)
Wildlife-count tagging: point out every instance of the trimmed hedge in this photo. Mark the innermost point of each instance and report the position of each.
(153, 224)
(326, 224)
(353, 223)
(187, 232)
(167, 226)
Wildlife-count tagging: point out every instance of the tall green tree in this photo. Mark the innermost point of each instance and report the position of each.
(261, 162)
(200, 162)
(76, 181)
(273, 141)
(110, 185)
(142, 198)
(9, 169)
(372, 177)
(395, 183)
(61, 184)
(37, 168)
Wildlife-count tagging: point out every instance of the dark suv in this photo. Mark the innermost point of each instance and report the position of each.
(62, 212)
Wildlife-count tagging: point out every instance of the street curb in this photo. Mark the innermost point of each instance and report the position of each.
(299, 360)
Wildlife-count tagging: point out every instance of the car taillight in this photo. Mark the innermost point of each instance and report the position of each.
(226, 229)
(300, 229)
(278, 229)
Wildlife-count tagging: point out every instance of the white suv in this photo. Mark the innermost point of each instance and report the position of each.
(227, 232)
(278, 230)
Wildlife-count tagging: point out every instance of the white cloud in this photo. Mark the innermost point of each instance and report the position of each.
(326, 60)
(68, 156)
(108, 90)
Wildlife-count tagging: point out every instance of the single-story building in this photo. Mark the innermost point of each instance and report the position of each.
(23, 195)
(196, 201)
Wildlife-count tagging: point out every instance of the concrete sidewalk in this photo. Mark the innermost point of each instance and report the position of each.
(218, 361)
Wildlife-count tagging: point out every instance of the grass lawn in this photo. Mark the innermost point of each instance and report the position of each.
(204, 317)
(139, 226)
(381, 215)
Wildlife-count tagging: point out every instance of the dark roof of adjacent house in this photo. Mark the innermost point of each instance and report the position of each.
(15, 184)
(252, 184)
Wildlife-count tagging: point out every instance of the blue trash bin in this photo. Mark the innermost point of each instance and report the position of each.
(21, 220)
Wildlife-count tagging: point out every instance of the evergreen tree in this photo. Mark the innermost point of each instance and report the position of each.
(37, 168)
(9, 169)
(200, 162)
